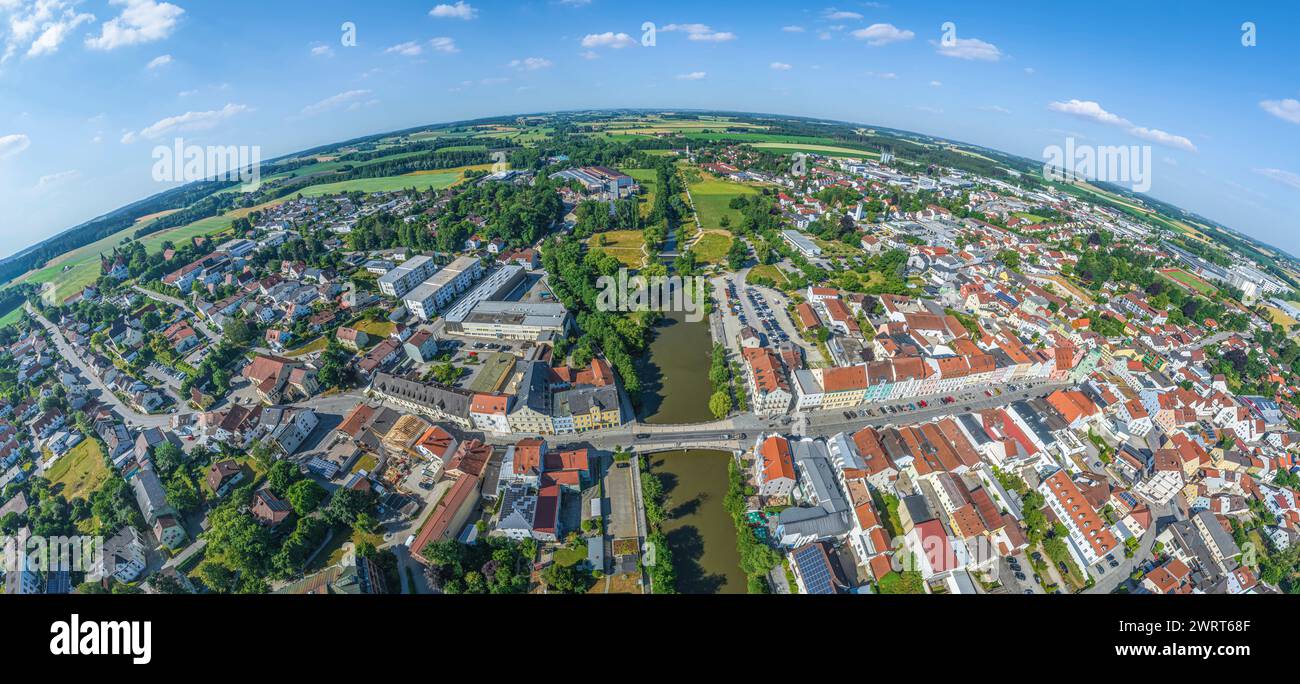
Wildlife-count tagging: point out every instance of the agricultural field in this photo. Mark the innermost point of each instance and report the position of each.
(624, 245)
(825, 150)
(434, 181)
(79, 472)
(12, 317)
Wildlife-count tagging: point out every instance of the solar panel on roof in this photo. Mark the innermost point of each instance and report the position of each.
(815, 570)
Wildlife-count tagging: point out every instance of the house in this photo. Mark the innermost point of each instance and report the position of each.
(449, 516)
(421, 346)
(351, 338)
(268, 509)
(123, 557)
(775, 468)
(223, 476)
(271, 377)
(287, 428)
(490, 413)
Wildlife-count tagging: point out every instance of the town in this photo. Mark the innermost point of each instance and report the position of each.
(919, 373)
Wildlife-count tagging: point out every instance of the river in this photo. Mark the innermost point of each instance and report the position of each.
(675, 374)
(701, 534)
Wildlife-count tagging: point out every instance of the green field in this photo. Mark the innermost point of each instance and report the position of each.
(12, 317)
(770, 272)
(646, 179)
(1180, 276)
(79, 472)
(624, 245)
(712, 248)
(711, 197)
(430, 181)
(825, 150)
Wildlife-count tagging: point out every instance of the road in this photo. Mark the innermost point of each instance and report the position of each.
(1161, 517)
(198, 322)
(133, 417)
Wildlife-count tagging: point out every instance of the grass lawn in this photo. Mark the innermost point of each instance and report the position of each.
(1279, 317)
(619, 584)
(315, 345)
(711, 197)
(571, 556)
(79, 472)
(376, 329)
(368, 462)
(712, 248)
(1032, 218)
(624, 245)
(771, 272)
(836, 248)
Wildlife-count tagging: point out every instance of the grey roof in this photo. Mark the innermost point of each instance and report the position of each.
(1218, 535)
(437, 398)
(149, 493)
(532, 390)
(582, 399)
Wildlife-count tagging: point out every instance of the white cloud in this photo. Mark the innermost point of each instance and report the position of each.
(589, 54)
(141, 21)
(1029, 71)
(693, 76)
(936, 84)
(38, 26)
(883, 34)
(13, 144)
(531, 64)
(928, 110)
(408, 49)
(53, 180)
(460, 10)
(187, 93)
(780, 66)
(159, 62)
(444, 45)
(1287, 178)
(350, 98)
(887, 75)
(700, 32)
(996, 109)
(838, 15)
(792, 29)
(972, 49)
(189, 121)
(1286, 110)
(1087, 109)
(322, 51)
(608, 39)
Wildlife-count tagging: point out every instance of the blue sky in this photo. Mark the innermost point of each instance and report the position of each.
(89, 87)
